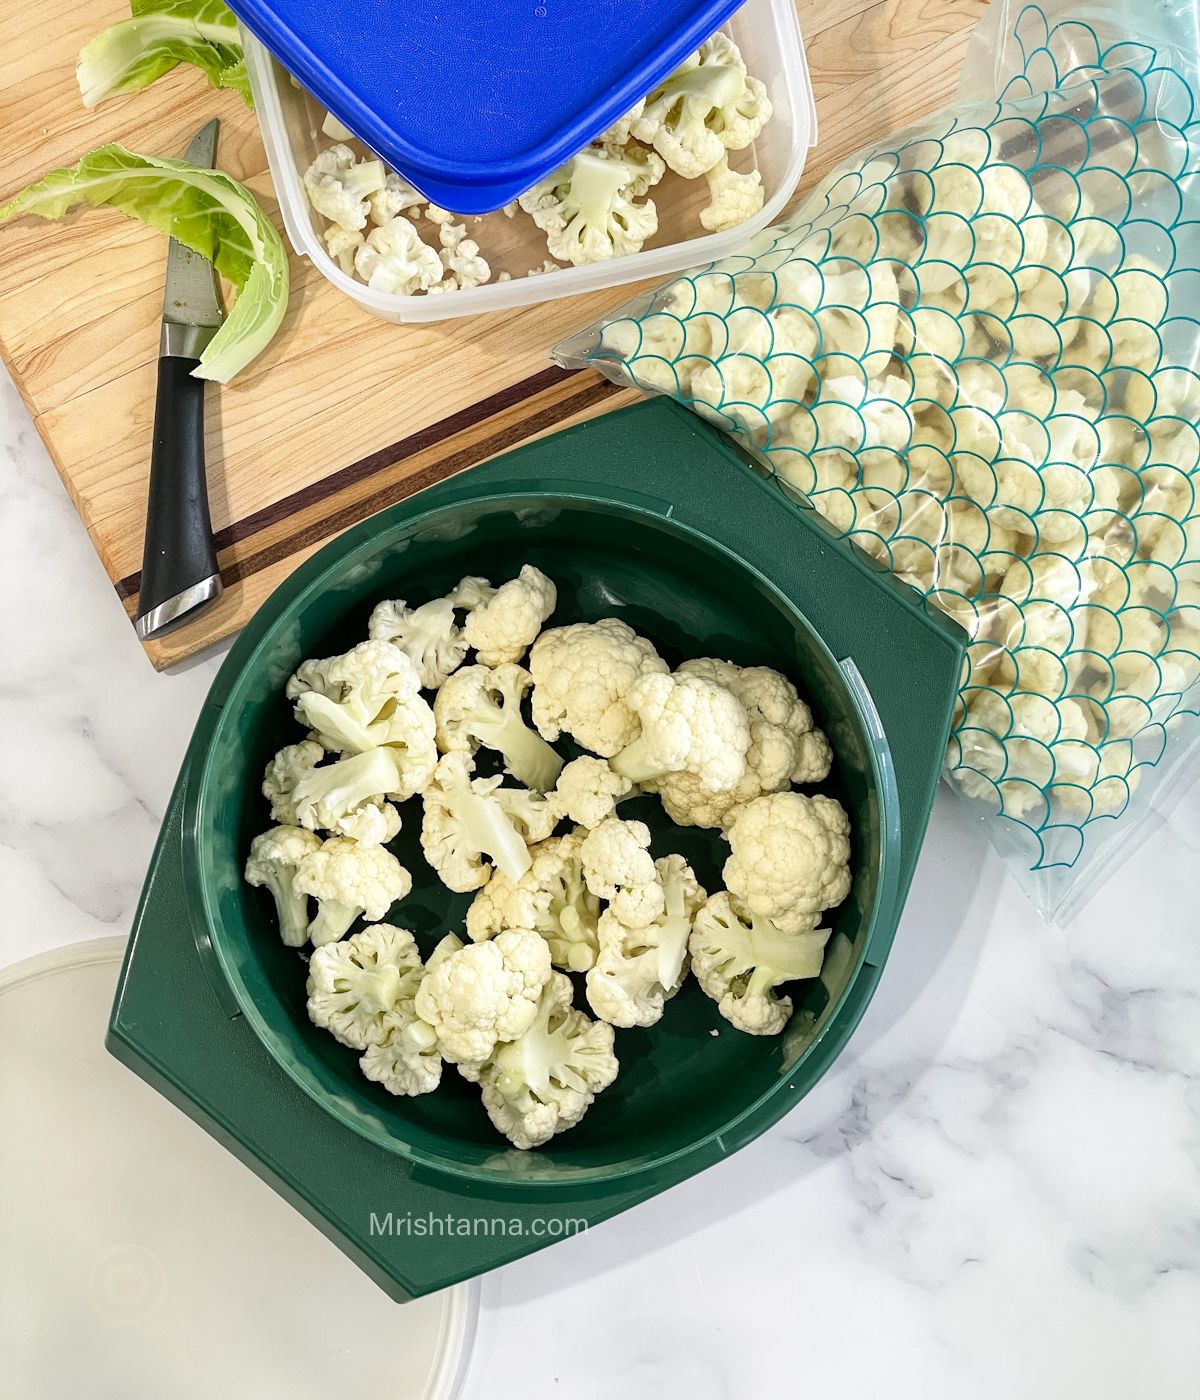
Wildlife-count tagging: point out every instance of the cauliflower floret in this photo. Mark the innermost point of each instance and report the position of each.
(406, 1062)
(367, 698)
(396, 196)
(465, 823)
(394, 259)
(484, 993)
(581, 675)
(478, 705)
(347, 879)
(364, 988)
(740, 958)
(785, 747)
(274, 858)
(338, 186)
(343, 244)
(588, 791)
(464, 264)
(505, 621)
(639, 969)
(733, 197)
(587, 207)
(551, 898)
(428, 635)
(689, 723)
(618, 866)
(353, 796)
(533, 815)
(543, 1082)
(282, 774)
(790, 858)
(705, 107)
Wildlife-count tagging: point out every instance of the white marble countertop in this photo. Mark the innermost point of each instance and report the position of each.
(995, 1193)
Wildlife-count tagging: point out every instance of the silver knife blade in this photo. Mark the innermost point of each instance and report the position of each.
(192, 296)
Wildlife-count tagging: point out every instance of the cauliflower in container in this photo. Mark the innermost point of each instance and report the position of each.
(596, 206)
(712, 743)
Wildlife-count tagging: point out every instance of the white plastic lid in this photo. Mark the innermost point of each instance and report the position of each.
(142, 1259)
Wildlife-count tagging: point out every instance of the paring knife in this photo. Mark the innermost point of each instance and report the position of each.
(180, 574)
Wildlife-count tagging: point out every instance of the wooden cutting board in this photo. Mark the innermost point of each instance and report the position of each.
(344, 414)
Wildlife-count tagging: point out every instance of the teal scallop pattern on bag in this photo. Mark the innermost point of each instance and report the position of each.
(973, 351)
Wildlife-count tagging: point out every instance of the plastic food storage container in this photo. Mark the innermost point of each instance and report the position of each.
(768, 34)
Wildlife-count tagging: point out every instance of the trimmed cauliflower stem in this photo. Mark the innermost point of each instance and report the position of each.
(480, 706)
(274, 858)
(465, 822)
(708, 106)
(739, 958)
(476, 996)
(363, 992)
(581, 675)
(588, 207)
(543, 1082)
(552, 898)
(640, 969)
(339, 187)
(428, 635)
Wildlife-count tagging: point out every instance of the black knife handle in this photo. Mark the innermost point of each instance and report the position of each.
(179, 562)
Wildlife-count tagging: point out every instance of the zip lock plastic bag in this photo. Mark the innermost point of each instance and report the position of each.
(973, 349)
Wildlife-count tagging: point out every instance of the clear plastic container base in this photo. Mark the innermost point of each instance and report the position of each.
(768, 34)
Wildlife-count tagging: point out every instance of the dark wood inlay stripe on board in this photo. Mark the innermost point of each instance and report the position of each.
(387, 457)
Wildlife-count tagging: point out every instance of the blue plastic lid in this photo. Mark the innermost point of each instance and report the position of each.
(474, 101)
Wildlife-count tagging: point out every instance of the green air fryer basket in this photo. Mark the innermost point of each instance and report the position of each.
(647, 515)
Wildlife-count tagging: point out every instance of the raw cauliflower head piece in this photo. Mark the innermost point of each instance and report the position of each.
(505, 623)
(739, 958)
(363, 989)
(350, 797)
(348, 880)
(366, 698)
(785, 746)
(589, 209)
(484, 993)
(466, 829)
(339, 186)
(733, 197)
(704, 108)
(284, 771)
(551, 898)
(395, 259)
(581, 676)
(342, 244)
(274, 858)
(617, 866)
(479, 705)
(588, 791)
(543, 1082)
(790, 857)
(406, 1062)
(428, 635)
(689, 723)
(640, 969)
(396, 196)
